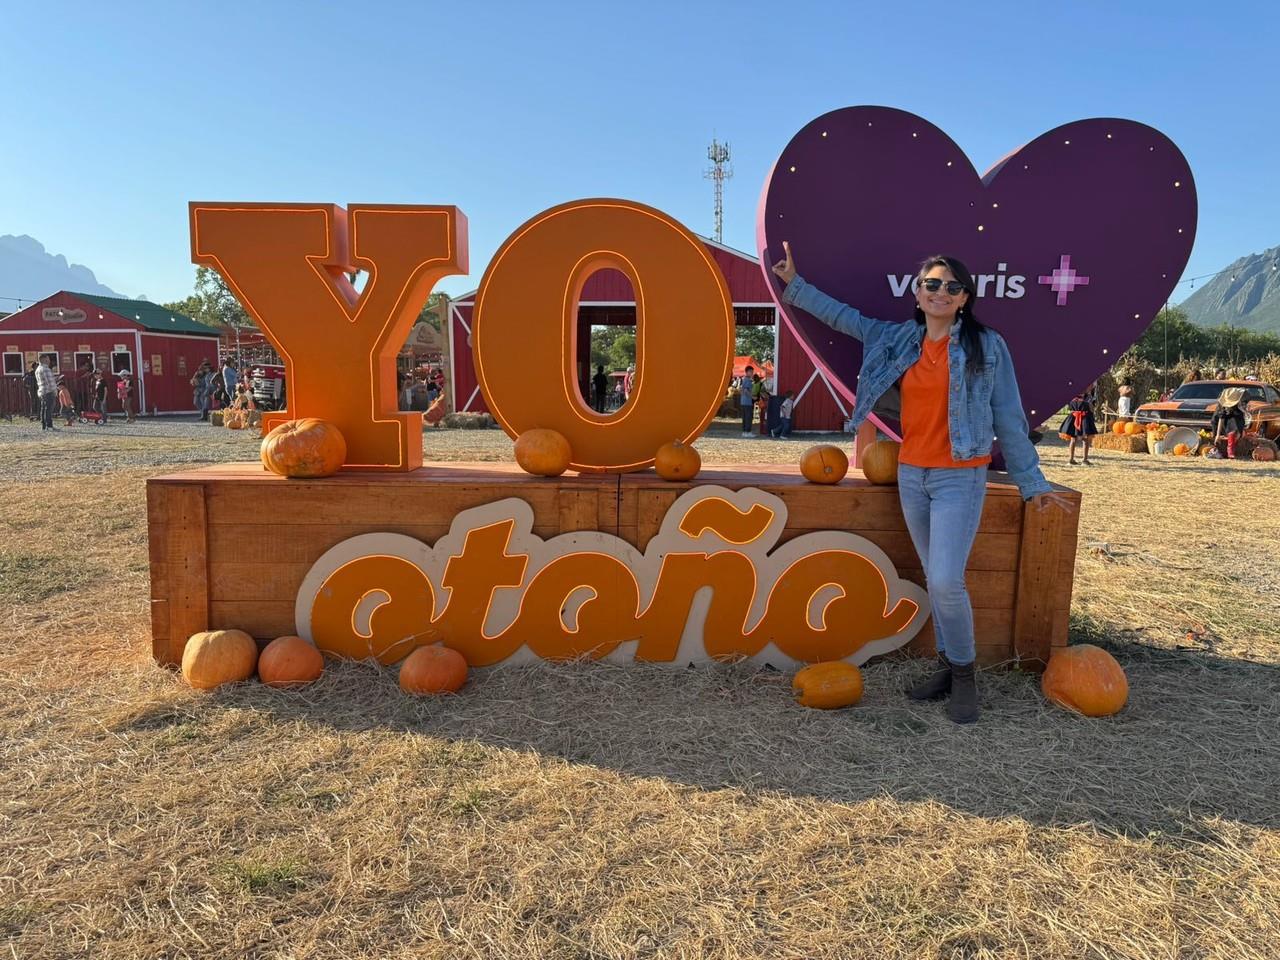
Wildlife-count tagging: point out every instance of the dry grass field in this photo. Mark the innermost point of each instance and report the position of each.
(596, 811)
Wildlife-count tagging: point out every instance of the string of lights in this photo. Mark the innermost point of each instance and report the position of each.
(1275, 266)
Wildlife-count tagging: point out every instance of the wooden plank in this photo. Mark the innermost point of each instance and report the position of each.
(234, 581)
(178, 512)
(262, 619)
(1036, 602)
(580, 508)
(301, 543)
(245, 503)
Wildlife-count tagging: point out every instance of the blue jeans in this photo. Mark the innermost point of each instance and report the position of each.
(747, 409)
(943, 507)
(784, 427)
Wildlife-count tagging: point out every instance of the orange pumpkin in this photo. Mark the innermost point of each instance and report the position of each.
(233, 421)
(215, 657)
(544, 453)
(1119, 426)
(1132, 429)
(290, 662)
(304, 448)
(677, 461)
(433, 669)
(828, 686)
(1181, 450)
(1086, 679)
(824, 464)
(880, 462)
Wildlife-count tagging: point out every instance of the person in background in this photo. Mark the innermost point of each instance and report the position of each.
(124, 392)
(1194, 375)
(67, 408)
(1219, 374)
(746, 400)
(1079, 425)
(783, 429)
(760, 394)
(1228, 420)
(229, 376)
(33, 389)
(1124, 406)
(100, 396)
(629, 382)
(404, 393)
(47, 392)
(600, 388)
(419, 395)
(200, 389)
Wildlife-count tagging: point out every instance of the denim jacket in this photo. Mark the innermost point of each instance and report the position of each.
(979, 409)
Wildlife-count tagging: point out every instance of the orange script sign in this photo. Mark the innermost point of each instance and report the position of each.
(712, 584)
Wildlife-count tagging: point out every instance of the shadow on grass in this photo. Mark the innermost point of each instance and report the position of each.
(1197, 741)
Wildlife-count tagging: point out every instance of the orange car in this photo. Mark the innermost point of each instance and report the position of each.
(1193, 405)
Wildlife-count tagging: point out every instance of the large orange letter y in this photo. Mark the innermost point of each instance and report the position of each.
(288, 264)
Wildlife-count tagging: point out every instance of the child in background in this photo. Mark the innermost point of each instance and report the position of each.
(124, 393)
(1079, 425)
(67, 409)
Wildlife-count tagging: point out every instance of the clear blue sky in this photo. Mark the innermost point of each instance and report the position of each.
(118, 114)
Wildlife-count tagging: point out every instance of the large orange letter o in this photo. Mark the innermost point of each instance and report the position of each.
(526, 319)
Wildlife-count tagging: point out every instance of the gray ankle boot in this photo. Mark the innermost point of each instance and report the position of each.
(963, 707)
(935, 686)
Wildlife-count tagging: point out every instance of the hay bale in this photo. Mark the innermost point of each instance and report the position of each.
(468, 421)
(1124, 442)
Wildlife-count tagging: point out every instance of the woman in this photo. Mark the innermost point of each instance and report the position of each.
(958, 393)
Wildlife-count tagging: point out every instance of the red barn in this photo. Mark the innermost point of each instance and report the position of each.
(607, 300)
(78, 331)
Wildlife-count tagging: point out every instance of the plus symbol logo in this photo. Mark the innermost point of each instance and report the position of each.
(1064, 280)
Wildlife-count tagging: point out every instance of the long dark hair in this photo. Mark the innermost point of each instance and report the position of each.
(970, 327)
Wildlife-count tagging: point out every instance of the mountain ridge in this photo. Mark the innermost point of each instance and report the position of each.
(29, 272)
(1245, 295)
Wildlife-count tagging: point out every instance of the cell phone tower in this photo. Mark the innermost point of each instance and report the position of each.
(718, 173)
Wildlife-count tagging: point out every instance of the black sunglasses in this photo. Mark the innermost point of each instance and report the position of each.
(934, 284)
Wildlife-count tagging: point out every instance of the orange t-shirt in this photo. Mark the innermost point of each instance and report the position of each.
(926, 438)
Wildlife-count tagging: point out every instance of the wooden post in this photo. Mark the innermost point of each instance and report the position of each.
(179, 567)
(1038, 569)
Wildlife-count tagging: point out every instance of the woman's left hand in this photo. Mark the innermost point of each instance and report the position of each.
(1043, 500)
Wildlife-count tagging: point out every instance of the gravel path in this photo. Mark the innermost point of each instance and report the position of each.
(27, 453)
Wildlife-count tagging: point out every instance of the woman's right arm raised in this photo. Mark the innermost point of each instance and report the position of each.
(839, 316)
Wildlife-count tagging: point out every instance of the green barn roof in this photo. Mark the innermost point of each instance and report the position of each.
(151, 315)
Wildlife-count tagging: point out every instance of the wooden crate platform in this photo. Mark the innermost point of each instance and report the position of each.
(230, 544)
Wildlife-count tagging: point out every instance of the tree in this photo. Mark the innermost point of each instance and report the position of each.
(212, 303)
(433, 310)
(757, 342)
(1185, 340)
(613, 346)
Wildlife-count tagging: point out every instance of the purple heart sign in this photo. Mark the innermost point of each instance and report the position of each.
(1075, 240)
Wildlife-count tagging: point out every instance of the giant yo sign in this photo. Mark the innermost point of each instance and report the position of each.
(1075, 240)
